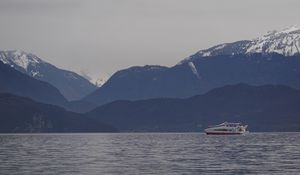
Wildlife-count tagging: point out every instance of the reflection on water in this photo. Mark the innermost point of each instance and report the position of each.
(150, 153)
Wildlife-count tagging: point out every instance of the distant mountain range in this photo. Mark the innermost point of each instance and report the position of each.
(271, 59)
(263, 108)
(70, 84)
(256, 82)
(19, 114)
(18, 83)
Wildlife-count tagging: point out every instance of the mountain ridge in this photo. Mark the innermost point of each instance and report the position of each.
(263, 108)
(285, 42)
(270, 59)
(70, 84)
(199, 76)
(15, 82)
(24, 115)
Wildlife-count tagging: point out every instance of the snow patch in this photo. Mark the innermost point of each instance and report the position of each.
(221, 46)
(98, 81)
(206, 54)
(94, 79)
(35, 73)
(194, 70)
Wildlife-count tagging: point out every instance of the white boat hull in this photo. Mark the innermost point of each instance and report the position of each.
(225, 133)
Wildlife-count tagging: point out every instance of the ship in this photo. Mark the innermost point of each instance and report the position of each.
(227, 128)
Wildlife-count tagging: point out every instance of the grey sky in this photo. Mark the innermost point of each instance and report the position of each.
(103, 36)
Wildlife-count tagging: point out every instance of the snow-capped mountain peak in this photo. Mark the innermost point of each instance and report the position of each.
(285, 42)
(70, 84)
(19, 58)
(98, 81)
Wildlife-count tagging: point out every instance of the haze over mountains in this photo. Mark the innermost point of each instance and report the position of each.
(202, 89)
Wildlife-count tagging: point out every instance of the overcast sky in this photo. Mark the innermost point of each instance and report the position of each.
(102, 36)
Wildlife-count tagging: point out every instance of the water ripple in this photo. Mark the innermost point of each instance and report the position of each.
(149, 153)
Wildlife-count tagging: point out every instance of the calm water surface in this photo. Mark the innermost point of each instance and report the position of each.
(148, 153)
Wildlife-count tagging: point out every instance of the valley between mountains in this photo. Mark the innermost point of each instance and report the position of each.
(251, 81)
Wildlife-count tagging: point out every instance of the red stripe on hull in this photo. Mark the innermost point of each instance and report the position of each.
(222, 133)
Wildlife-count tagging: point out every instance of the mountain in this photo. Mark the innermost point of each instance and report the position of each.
(285, 42)
(131, 83)
(70, 84)
(263, 108)
(97, 81)
(271, 59)
(15, 82)
(19, 114)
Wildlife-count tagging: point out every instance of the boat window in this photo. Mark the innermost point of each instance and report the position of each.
(221, 130)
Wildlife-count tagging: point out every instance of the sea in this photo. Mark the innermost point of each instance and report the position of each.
(149, 153)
